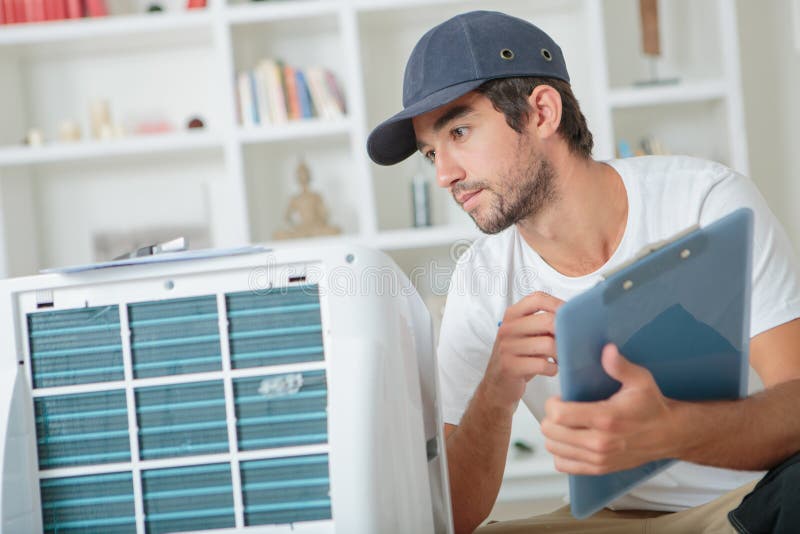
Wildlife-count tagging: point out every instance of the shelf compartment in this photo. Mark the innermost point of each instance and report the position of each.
(690, 35)
(92, 150)
(688, 128)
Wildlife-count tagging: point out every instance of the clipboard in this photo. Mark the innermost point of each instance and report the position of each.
(682, 310)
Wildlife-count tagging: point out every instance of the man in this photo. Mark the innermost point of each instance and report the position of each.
(487, 101)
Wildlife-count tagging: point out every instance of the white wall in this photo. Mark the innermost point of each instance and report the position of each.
(771, 85)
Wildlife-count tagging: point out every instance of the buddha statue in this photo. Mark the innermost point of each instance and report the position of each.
(306, 215)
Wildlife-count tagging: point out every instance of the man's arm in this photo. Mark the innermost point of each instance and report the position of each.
(476, 459)
(638, 424)
(477, 447)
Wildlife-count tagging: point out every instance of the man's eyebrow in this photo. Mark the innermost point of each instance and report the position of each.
(451, 114)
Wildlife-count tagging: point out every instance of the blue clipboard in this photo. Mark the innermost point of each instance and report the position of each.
(683, 312)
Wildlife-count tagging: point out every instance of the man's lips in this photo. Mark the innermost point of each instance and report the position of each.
(465, 197)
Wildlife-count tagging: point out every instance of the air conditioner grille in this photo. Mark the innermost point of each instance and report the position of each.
(188, 498)
(294, 417)
(182, 420)
(172, 337)
(278, 326)
(83, 429)
(286, 490)
(75, 346)
(96, 503)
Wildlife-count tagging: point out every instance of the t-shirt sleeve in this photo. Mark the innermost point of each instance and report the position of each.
(465, 344)
(776, 279)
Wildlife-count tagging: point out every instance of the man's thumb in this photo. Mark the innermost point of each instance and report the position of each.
(619, 368)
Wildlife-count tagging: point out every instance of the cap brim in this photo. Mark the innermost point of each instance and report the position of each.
(393, 140)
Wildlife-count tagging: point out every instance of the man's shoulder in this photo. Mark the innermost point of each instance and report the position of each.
(669, 169)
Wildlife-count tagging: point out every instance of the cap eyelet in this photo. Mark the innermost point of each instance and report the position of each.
(546, 54)
(507, 54)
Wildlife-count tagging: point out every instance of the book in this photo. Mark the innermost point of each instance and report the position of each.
(292, 98)
(251, 78)
(245, 99)
(74, 9)
(277, 101)
(336, 91)
(319, 94)
(306, 108)
(59, 9)
(96, 8)
(262, 95)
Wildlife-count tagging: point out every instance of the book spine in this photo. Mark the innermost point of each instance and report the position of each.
(59, 9)
(245, 100)
(74, 10)
(262, 95)
(314, 78)
(335, 92)
(96, 8)
(276, 93)
(251, 78)
(307, 110)
(21, 10)
(292, 98)
(49, 10)
(8, 14)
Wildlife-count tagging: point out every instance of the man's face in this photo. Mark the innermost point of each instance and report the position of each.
(497, 175)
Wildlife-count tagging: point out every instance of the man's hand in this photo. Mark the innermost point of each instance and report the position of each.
(629, 429)
(525, 341)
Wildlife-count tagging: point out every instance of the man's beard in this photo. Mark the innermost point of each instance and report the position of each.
(525, 192)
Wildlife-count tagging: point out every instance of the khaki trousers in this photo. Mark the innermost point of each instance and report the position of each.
(711, 517)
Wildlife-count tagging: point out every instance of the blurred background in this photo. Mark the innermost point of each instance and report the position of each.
(130, 122)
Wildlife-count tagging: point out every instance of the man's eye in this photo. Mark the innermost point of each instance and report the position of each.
(430, 155)
(459, 131)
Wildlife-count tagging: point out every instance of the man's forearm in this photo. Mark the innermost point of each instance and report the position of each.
(755, 433)
(476, 457)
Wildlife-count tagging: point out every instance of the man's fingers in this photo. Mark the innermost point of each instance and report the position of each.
(533, 303)
(529, 366)
(568, 451)
(531, 325)
(578, 414)
(544, 346)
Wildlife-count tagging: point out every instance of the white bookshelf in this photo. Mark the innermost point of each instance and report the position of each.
(235, 182)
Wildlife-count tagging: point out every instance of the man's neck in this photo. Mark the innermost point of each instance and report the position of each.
(580, 230)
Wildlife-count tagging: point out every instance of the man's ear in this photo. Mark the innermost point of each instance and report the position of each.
(545, 116)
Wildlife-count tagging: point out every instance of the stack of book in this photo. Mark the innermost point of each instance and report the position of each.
(17, 11)
(276, 93)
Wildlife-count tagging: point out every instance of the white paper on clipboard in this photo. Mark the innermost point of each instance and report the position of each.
(164, 257)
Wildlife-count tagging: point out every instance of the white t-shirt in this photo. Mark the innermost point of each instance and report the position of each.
(665, 195)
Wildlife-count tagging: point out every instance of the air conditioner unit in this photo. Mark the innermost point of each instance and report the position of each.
(278, 391)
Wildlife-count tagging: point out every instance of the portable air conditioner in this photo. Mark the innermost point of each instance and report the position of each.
(277, 391)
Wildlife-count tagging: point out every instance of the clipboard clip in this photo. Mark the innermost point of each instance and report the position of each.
(649, 249)
(178, 244)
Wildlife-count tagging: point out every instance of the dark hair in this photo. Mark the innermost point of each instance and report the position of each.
(510, 97)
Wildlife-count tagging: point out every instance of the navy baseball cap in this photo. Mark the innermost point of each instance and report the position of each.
(457, 57)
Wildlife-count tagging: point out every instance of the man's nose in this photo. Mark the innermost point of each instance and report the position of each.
(448, 171)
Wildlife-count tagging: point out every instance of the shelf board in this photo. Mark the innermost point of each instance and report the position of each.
(113, 26)
(254, 12)
(698, 91)
(300, 129)
(424, 237)
(151, 144)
